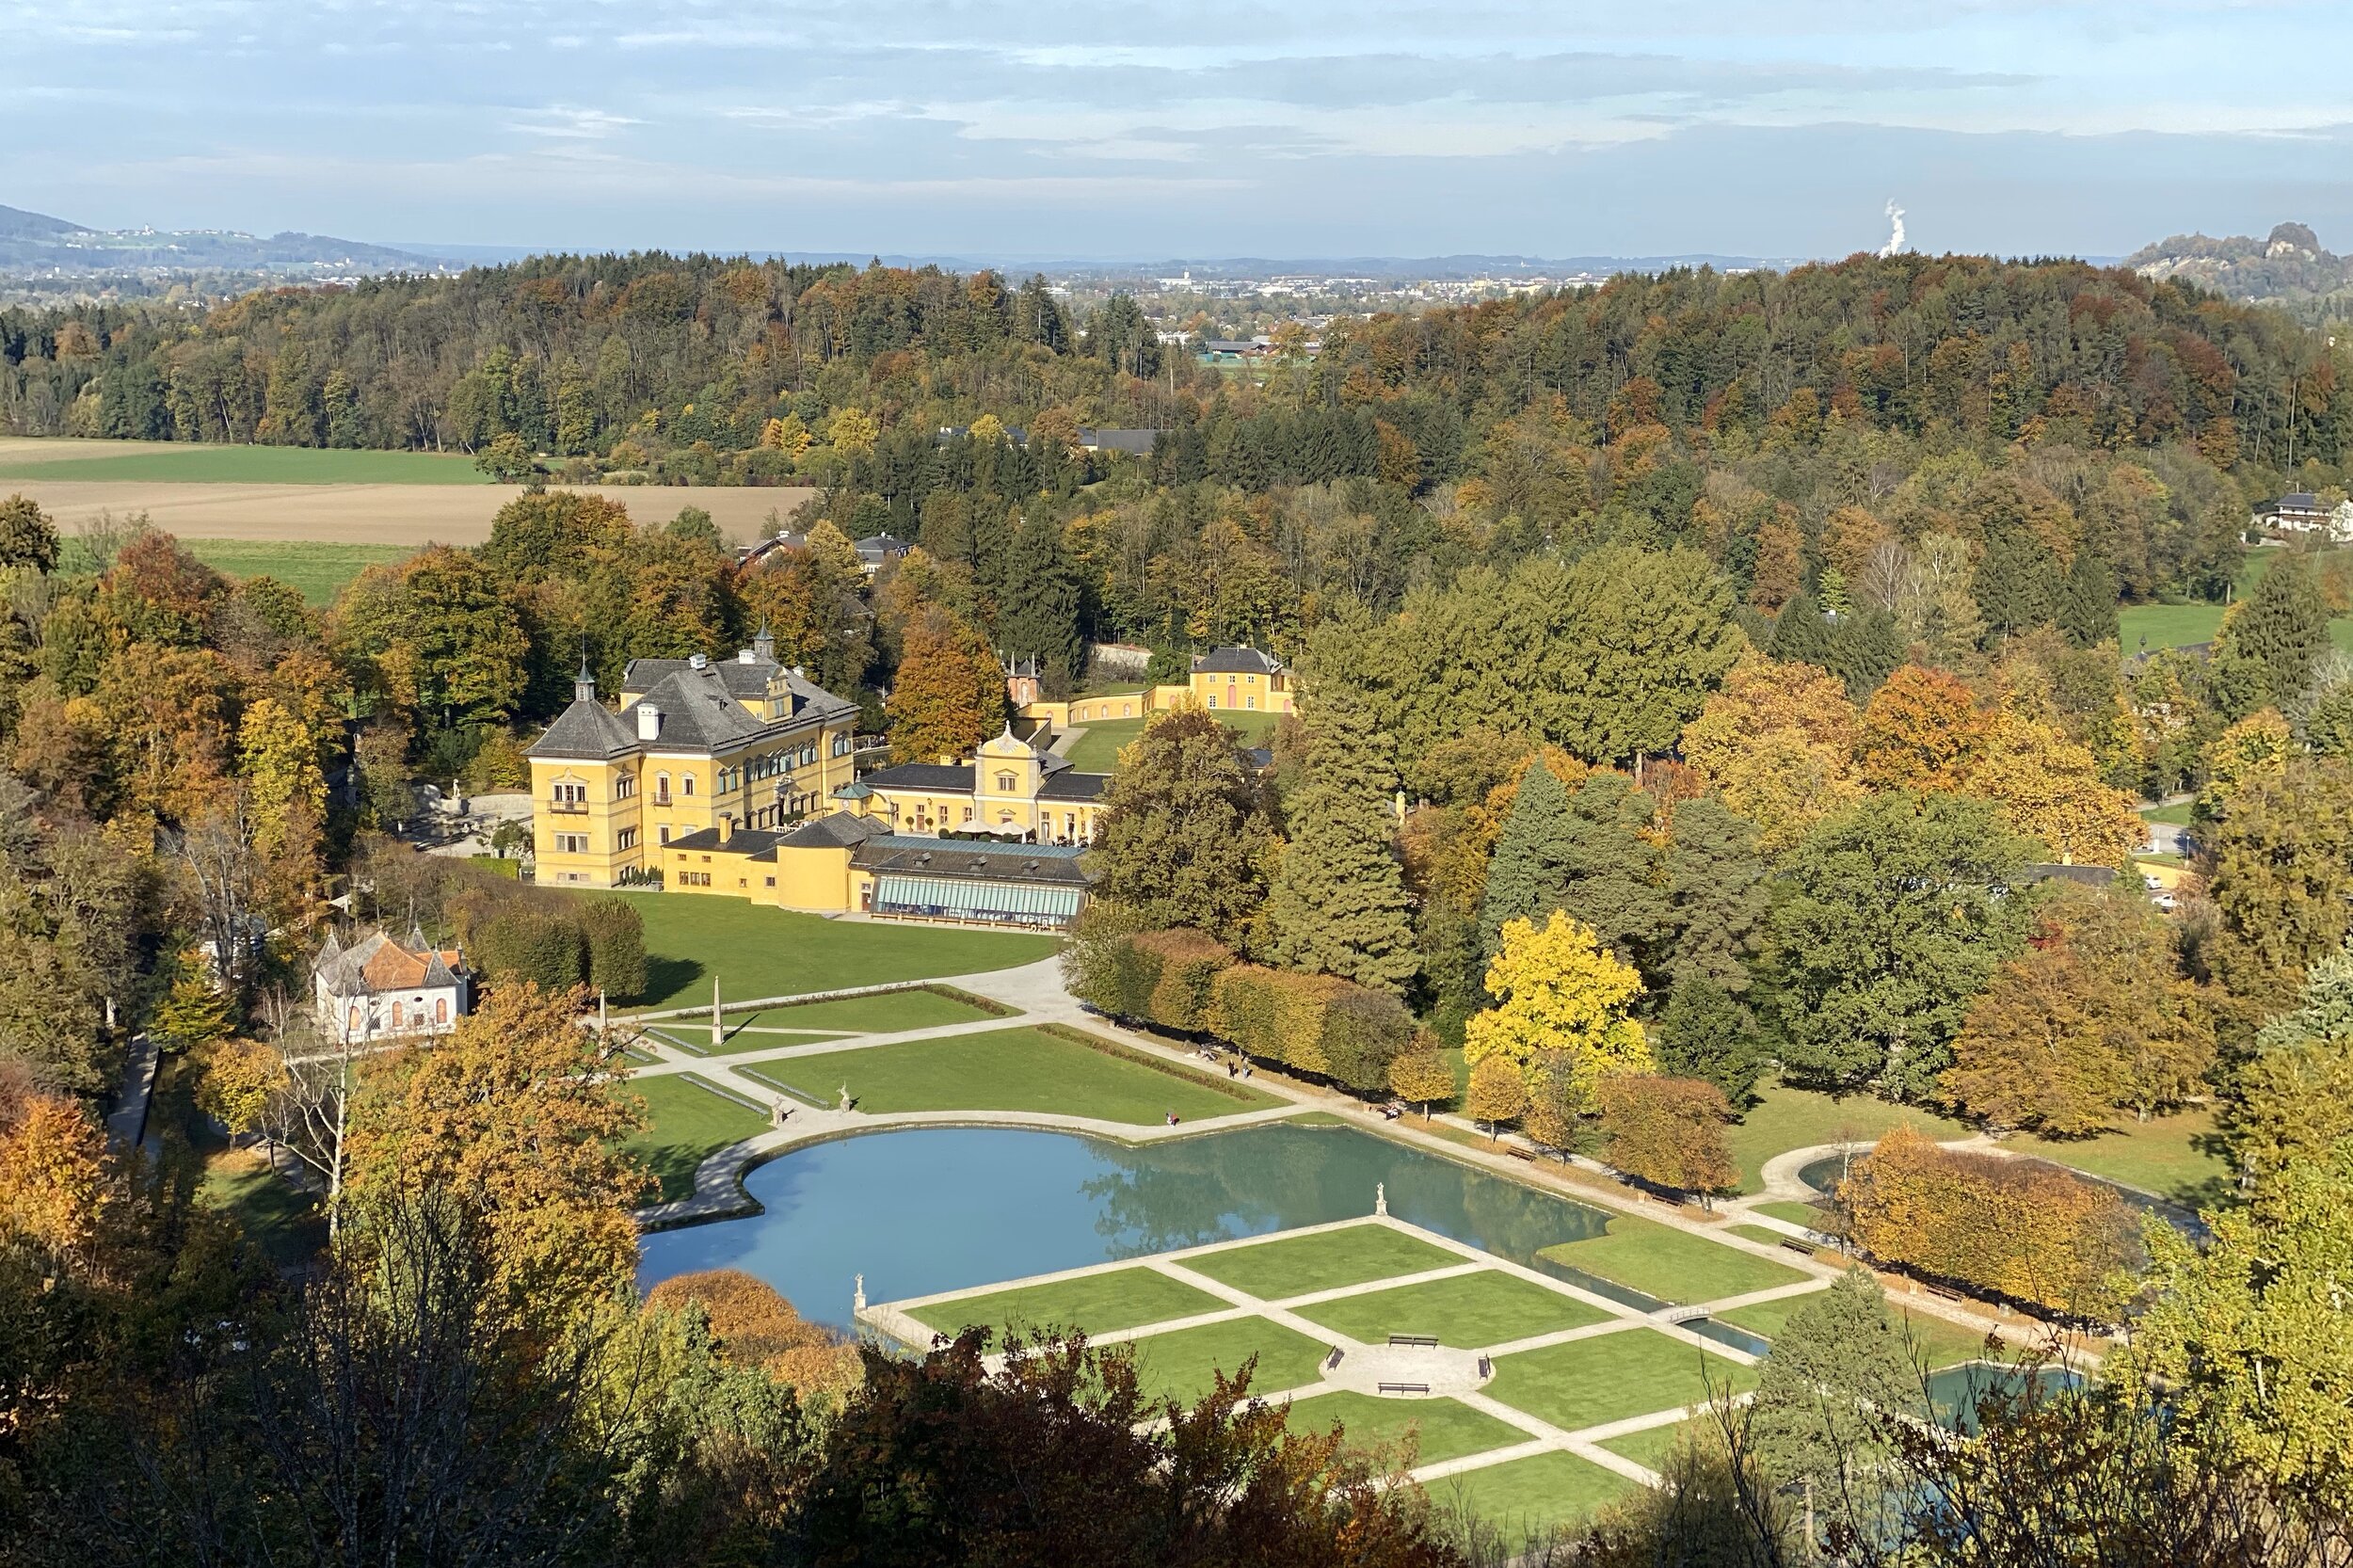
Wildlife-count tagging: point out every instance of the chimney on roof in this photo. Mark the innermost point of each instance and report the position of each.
(698, 661)
(649, 721)
(744, 656)
(727, 827)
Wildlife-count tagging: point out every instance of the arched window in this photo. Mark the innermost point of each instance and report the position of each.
(353, 1027)
(440, 1010)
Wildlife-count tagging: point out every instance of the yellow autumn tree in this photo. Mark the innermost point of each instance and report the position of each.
(2252, 752)
(852, 431)
(2049, 789)
(1777, 741)
(55, 1183)
(1559, 991)
(279, 760)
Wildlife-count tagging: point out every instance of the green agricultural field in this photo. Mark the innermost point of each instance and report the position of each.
(1013, 1069)
(757, 951)
(1670, 1264)
(1093, 1304)
(2174, 1157)
(1441, 1429)
(1792, 1118)
(318, 571)
(685, 1124)
(182, 462)
(1183, 1365)
(886, 1014)
(1300, 1265)
(1470, 1311)
(1534, 1494)
(1588, 1382)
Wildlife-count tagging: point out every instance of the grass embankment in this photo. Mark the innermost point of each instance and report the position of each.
(2177, 1157)
(1933, 1340)
(757, 951)
(1673, 1265)
(1788, 1119)
(186, 462)
(317, 570)
(685, 1124)
(1013, 1069)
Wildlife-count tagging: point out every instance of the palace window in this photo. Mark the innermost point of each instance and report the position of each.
(1004, 783)
(571, 843)
(771, 881)
(661, 789)
(625, 786)
(572, 794)
(1212, 702)
(841, 745)
(440, 1010)
(625, 838)
(666, 832)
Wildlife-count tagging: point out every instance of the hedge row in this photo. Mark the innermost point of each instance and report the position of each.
(1184, 981)
(557, 943)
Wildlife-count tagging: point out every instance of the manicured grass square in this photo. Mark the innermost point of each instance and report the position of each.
(1650, 1446)
(1532, 1494)
(1673, 1265)
(1941, 1342)
(685, 1123)
(1587, 1382)
(1468, 1311)
(886, 1014)
(1012, 1069)
(1445, 1429)
(1804, 1214)
(757, 951)
(1298, 1265)
(1762, 1235)
(2174, 1157)
(1095, 1304)
(1183, 1365)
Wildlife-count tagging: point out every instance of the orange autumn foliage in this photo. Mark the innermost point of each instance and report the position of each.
(1921, 730)
(753, 1325)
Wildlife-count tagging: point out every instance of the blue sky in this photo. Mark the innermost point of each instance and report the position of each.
(1312, 128)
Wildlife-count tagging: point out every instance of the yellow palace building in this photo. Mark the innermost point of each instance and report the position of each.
(738, 778)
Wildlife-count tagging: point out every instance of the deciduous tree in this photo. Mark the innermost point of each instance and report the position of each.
(950, 694)
(1498, 1092)
(1669, 1131)
(2050, 790)
(1777, 741)
(1186, 830)
(1922, 730)
(1556, 989)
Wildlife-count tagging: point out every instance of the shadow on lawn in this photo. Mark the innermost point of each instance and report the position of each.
(669, 979)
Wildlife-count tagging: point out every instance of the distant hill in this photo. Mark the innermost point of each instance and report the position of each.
(35, 243)
(2289, 266)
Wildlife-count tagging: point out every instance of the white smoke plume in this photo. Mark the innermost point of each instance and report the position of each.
(1894, 240)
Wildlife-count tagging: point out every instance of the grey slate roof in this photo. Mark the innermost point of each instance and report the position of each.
(587, 729)
(744, 841)
(1237, 660)
(836, 830)
(1135, 442)
(1074, 786)
(950, 778)
(1054, 864)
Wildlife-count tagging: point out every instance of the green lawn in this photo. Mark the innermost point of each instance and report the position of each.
(1534, 1494)
(1010, 1069)
(757, 951)
(1795, 1213)
(1096, 1303)
(184, 462)
(685, 1122)
(1587, 1382)
(1097, 750)
(1182, 1365)
(1467, 1311)
(2164, 1157)
(318, 569)
(1651, 1446)
(1444, 1429)
(2167, 625)
(1762, 1235)
(1940, 1342)
(1298, 1265)
(886, 1014)
(282, 1219)
(2176, 814)
(1791, 1118)
(1661, 1261)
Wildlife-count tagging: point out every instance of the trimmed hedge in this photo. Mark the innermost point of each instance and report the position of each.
(615, 936)
(1184, 981)
(520, 943)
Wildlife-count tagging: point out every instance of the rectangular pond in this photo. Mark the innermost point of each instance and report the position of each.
(933, 1209)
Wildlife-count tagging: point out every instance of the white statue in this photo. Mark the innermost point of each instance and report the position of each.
(857, 1295)
(1380, 1197)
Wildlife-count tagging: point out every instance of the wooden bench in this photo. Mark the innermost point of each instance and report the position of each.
(1796, 1246)
(1334, 1359)
(1944, 1292)
(1519, 1153)
(1420, 1341)
(1404, 1388)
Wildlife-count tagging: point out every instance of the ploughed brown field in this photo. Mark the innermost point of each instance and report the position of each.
(403, 498)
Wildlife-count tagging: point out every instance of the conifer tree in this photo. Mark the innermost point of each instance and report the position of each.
(1525, 880)
(2087, 608)
(2264, 655)
(1338, 904)
(1610, 873)
(1705, 1034)
(1041, 615)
